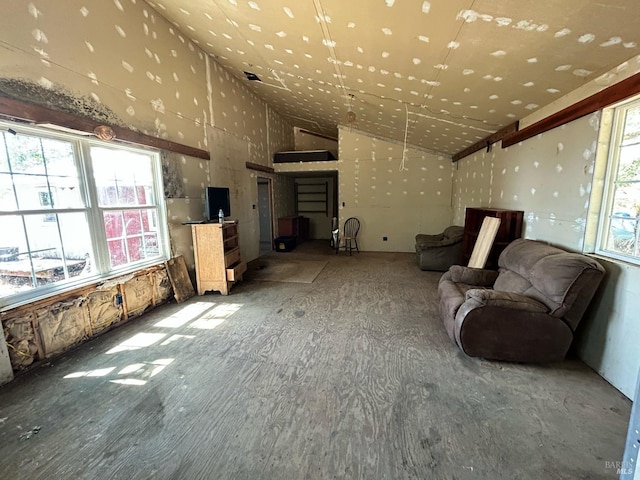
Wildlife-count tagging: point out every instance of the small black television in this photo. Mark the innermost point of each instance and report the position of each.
(216, 198)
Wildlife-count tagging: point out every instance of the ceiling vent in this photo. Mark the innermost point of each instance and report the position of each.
(252, 76)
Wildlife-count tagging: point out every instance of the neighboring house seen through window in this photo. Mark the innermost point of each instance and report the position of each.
(73, 210)
(620, 214)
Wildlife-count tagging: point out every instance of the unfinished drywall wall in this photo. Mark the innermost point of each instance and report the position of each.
(551, 177)
(305, 140)
(394, 196)
(244, 130)
(119, 59)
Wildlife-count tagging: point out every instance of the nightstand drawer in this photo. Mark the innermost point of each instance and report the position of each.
(235, 273)
(231, 257)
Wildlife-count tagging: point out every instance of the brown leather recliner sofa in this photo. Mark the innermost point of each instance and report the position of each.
(527, 311)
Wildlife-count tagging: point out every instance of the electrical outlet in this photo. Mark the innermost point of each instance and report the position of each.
(384, 239)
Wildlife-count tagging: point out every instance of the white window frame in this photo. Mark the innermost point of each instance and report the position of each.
(102, 266)
(606, 208)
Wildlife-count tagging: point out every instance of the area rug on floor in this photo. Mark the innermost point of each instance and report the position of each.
(285, 270)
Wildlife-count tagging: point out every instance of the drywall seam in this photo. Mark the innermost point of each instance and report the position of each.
(266, 119)
(207, 63)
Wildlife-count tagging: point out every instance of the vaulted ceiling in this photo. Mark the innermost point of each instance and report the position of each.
(439, 74)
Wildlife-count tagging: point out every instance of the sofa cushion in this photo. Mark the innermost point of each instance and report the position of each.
(453, 231)
(473, 276)
(554, 275)
(510, 281)
(542, 272)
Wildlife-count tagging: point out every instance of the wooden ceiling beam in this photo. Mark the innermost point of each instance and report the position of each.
(258, 167)
(486, 142)
(604, 98)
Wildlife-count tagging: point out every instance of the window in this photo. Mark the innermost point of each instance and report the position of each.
(620, 212)
(73, 210)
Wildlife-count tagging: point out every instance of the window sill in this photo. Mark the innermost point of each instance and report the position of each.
(611, 259)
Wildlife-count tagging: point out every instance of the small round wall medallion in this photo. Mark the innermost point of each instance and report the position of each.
(104, 132)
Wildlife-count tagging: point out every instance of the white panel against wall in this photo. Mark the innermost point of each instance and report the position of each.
(609, 336)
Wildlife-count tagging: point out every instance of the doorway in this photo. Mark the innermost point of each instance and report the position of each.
(316, 197)
(265, 217)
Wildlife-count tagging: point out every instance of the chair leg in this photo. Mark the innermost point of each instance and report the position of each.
(357, 249)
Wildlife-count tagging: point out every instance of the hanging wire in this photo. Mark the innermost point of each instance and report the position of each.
(406, 132)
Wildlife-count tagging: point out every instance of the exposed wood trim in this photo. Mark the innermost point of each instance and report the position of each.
(326, 137)
(15, 109)
(486, 142)
(260, 168)
(610, 95)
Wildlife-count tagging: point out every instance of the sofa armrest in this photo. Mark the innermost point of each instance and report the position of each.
(513, 301)
(473, 276)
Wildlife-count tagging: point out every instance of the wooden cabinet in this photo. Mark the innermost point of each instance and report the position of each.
(510, 229)
(216, 249)
(295, 226)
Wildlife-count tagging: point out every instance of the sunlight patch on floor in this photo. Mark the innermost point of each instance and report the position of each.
(138, 341)
(173, 338)
(100, 372)
(184, 316)
(215, 316)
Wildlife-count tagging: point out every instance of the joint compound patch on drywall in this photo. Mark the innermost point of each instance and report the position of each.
(57, 97)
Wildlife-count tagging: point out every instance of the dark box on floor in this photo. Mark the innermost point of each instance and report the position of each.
(285, 244)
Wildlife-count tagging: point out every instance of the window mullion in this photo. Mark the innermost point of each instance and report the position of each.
(162, 221)
(609, 189)
(10, 165)
(94, 213)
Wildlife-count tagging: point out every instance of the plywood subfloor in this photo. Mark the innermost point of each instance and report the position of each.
(352, 376)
